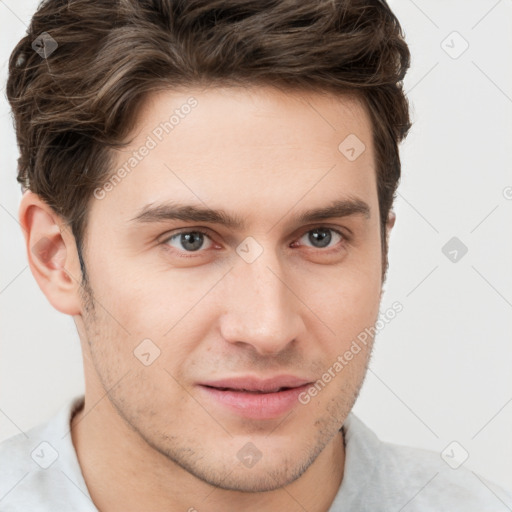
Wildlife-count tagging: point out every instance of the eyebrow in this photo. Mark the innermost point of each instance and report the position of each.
(191, 213)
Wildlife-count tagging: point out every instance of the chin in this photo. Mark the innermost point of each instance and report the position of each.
(254, 480)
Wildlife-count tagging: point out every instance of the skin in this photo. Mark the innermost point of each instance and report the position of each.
(148, 438)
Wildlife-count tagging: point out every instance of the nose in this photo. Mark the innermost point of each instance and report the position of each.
(260, 307)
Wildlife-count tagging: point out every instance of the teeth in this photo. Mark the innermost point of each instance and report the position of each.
(261, 392)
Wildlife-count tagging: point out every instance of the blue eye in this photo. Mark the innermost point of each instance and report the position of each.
(322, 237)
(189, 241)
(195, 240)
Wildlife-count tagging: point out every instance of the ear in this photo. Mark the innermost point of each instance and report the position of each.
(390, 223)
(52, 253)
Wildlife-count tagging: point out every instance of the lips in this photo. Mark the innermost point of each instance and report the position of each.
(255, 398)
(256, 391)
(256, 385)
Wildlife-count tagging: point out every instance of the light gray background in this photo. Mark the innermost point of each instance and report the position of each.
(441, 369)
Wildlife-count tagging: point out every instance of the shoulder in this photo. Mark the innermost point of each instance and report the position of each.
(415, 479)
(432, 483)
(40, 470)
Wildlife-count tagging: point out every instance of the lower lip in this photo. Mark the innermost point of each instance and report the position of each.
(258, 406)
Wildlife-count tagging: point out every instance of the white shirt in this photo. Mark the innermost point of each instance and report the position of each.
(40, 472)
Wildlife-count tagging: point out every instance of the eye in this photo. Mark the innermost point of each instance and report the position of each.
(195, 240)
(321, 237)
(188, 241)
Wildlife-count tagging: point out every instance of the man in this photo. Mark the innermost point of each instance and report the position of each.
(209, 188)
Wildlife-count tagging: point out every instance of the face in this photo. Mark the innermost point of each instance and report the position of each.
(216, 334)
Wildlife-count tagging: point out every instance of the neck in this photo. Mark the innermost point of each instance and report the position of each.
(122, 472)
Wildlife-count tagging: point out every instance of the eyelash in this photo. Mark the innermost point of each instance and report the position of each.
(192, 254)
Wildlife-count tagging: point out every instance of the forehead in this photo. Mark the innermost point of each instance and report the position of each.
(257, 114)
(244, 148)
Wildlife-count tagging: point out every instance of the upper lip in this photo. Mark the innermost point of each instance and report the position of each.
(257, 384)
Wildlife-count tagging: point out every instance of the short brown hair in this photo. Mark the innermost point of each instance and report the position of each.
(72, 105)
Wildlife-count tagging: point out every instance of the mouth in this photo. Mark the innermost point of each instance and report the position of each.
(256, 384)
(255, 398)
(255, 391)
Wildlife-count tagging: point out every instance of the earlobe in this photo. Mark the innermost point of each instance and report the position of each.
(51, 253)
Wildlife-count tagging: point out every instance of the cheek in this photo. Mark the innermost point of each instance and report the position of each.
(347, 295)
(349, 306)
(171, 308)
(352, 314)
(150, 300)
(139, 297)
